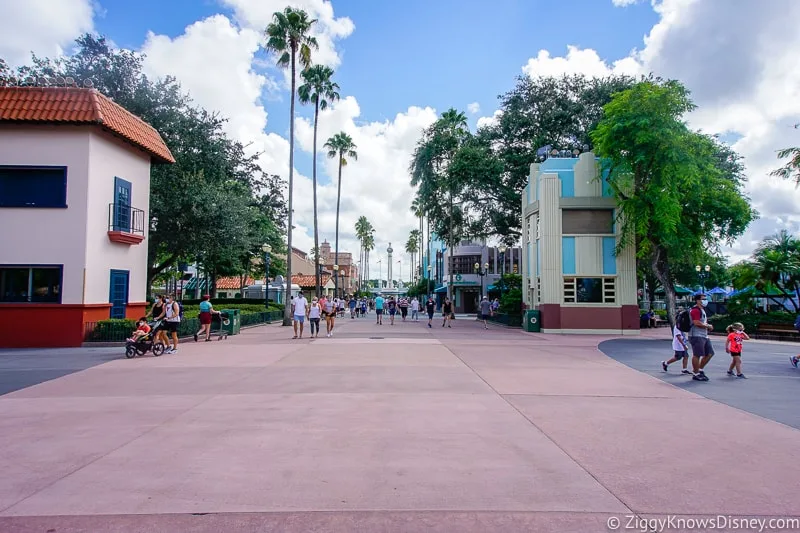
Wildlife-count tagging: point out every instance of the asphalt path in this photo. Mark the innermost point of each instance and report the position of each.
(770, 390)
(24, 368)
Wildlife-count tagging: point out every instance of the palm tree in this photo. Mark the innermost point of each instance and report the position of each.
(369, 245)
(288, 36)
(416, 208)
(775, 266)
(340, 146)
(362, 229)
(412, 247)
(319, 89)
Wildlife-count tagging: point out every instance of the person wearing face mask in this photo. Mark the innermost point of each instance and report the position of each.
(702, 351)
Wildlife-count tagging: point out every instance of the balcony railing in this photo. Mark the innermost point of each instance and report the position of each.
(125, 224)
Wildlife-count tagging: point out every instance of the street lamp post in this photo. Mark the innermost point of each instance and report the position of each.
(481, 273)
(380, 274)
(502, 250)
(266, 248)
(336, 281)
(702, 274)
(430, 290)
(321, 269)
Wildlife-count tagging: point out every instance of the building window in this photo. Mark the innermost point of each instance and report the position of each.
(39, 284)
(465, 264)
(587, 221)
(33, 186)
(590, 290)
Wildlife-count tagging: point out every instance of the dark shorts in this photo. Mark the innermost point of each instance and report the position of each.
(392, 311)
(736, 354)
(404, 311)
(682, 354)
(430, 315)
(205, 317)
(379, 312)
(701, 346)
(171, 327)
(484, 316)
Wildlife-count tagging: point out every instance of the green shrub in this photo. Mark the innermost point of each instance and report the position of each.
(750, 320)
(511, 302)
(111, 330)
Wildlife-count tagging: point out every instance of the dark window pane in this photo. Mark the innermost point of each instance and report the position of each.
(14, 284)
(587, 221)
(33, 187)
(46, 285)
(589, 290)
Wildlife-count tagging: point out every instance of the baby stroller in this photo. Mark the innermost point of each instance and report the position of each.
(146, 343)
(224, 320)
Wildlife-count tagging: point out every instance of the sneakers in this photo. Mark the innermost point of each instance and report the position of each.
(664, 365)
(684, 371)
(730, 372)
(430, 326)
(195, 337)
(741, 376)
(794, 359)
(700, 376)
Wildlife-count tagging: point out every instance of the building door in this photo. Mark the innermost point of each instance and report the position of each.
(122, 205)
(118, 293)
(469, 301)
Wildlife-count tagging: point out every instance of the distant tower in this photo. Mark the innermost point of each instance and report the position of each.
(389, 271)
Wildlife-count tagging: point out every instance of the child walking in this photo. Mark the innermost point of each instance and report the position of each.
(681, 348)
(733, 346)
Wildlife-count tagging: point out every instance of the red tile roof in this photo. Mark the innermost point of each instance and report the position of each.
(303, 280)
(232, 283)
(72, 105)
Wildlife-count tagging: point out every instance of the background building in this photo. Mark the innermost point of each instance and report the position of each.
(348, 271)
(74, 205)
(570, 270)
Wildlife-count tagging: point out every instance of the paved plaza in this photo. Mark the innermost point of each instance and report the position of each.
(379, 429)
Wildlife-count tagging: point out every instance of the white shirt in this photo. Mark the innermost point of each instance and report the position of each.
(314, 311)
(414, 305)
(676, 344)
(300, 304)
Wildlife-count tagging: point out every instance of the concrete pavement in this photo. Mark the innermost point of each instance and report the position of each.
(380, 428)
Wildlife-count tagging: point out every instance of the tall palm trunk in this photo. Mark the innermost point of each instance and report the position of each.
(421, 248)
(338, 200)
(287, 310)
(314, 179)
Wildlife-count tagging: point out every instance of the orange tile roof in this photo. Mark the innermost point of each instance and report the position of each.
(72, 105)
(232, 283)
(303, 280)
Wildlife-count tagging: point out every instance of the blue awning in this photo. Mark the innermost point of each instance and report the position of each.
(441, 290)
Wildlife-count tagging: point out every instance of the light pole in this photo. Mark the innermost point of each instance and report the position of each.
(400, 272)
(430, 290)
(335, 281)
(266, 248)
(702, 274)
(502, 250)
(481, 273)
(321, 269)
(380, 274)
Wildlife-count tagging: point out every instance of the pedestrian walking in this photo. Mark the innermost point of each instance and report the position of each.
(379, 310)
(415, 309)
(403, 305)
(702, 350)
(171, 315)
(206, 314)
(447, 312)
(330, 316)
(486, 309)
(392, 305)
(680, 348)
(733, 346)
(430, 308)
(352, 305)
(363, 307)
(314, 315)
(299, 305)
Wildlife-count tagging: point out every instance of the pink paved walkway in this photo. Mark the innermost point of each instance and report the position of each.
(451, 430)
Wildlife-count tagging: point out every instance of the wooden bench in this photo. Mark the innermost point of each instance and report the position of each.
(661, 322)
(767, 330)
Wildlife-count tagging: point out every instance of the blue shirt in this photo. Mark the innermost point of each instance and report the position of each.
(379, 303)
(205, 306)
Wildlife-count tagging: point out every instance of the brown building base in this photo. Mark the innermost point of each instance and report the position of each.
(556, 318)
(32, 325)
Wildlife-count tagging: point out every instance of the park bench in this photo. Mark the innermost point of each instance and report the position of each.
(767, 330)
(661, 322)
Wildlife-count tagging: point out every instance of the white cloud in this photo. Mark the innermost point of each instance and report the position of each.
(489, 121)
(257, 14)
(474, 108)
(624, 3)
(741, 67)
(41, 26)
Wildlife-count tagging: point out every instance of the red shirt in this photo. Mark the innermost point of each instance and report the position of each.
(144, 327)
(696, 314)
(735, 342)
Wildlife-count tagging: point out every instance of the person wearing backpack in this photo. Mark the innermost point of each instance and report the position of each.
(172, 314)
(702, 350)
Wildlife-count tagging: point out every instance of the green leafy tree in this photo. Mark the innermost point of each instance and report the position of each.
(289, 36)
(318, 88)
(412, 248)
(774, 268)
(791, 170)
(677, 190)
(341, 147)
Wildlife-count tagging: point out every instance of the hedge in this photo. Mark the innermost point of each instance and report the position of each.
(751, 320)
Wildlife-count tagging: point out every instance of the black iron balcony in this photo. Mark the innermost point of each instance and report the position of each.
(125, 224)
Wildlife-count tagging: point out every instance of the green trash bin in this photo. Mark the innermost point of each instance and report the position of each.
(533, 321)
(232, 323)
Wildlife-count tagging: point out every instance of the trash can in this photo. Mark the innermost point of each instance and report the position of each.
(231, 321)
(532, 320)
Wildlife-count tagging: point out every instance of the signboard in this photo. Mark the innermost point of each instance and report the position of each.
(459, 280)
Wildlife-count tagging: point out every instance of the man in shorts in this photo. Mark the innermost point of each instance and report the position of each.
(430, 308)
(486, 310)
(379, 310)
(702, 351)
(299, 305)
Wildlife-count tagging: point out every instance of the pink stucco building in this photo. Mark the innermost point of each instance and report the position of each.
(74, 207)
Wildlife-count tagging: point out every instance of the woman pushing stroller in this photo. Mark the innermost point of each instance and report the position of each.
(206, 314)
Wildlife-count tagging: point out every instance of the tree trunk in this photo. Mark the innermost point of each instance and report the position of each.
(316, 225)
(661, 270)
(450, 252)
(421, 248)
(287, 309)
(338, 200)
